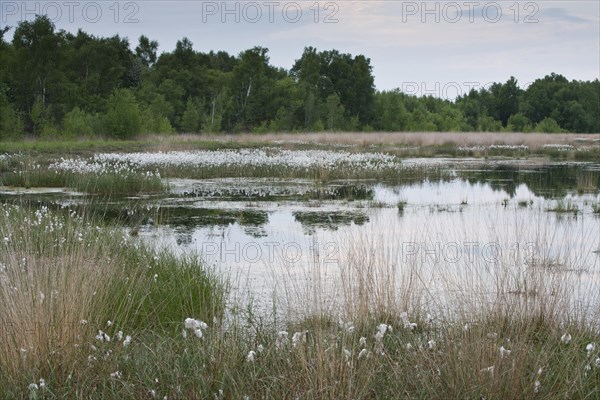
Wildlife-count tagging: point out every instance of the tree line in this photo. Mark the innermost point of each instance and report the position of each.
(58, 84)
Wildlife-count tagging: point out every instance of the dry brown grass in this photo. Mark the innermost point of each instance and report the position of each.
(532, 140)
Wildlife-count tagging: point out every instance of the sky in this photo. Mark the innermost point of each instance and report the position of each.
(442, 48)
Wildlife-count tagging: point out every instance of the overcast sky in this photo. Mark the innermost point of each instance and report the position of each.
(433, 47)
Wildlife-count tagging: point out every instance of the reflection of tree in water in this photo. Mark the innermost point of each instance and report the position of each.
(547, 181)
(189, 219)
(330, 220)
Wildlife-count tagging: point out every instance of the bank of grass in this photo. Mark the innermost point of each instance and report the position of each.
(380, 344)
(63, 278)
(105, 183)
(579, 147)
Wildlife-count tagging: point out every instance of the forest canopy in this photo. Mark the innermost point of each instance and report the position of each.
(58, 84)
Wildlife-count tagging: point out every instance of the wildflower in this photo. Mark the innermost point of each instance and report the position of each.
(297, 337)
(281, 339)
(100, 336)
(127, 341)
(116, 375)
(590, 348)
(250, 356)
(504, 352)
(109, 323)
(362, 341)
(347, 326)
(382, 328)
(191, 323)
(540, 371)
(347, 354)
(566, 338)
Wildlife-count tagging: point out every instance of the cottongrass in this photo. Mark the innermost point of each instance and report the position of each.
(68, 305)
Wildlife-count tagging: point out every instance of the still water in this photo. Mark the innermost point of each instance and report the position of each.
(472, 234)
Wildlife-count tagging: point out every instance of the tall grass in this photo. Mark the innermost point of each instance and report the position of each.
(105, 183)
(63, 278)
(378, 326)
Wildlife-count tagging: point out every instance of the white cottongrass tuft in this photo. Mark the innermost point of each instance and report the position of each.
(42, 383)
(260, 348)
(196, 325)
(347, 354)
(504, 352)
(298, 337)
(363, 353)
(191, 323)
(250, 356)
(362, 341)
(116, 375)
(431, 344)
(383, 328)
(127, 341)
(537, 386)
(102, 337)
(489, 370)
(33, 386)
(282, 338)
(590, 348)
(119, 336)
(346, 326)
(566, 338)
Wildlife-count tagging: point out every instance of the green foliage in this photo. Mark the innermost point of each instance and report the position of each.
(11, 123)
(190, 121)
(78, 122)
(519, 123)
(46, 74)
(123, 115)
(548, 125)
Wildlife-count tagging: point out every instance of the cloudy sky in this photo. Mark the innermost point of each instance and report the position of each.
(434, 47)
